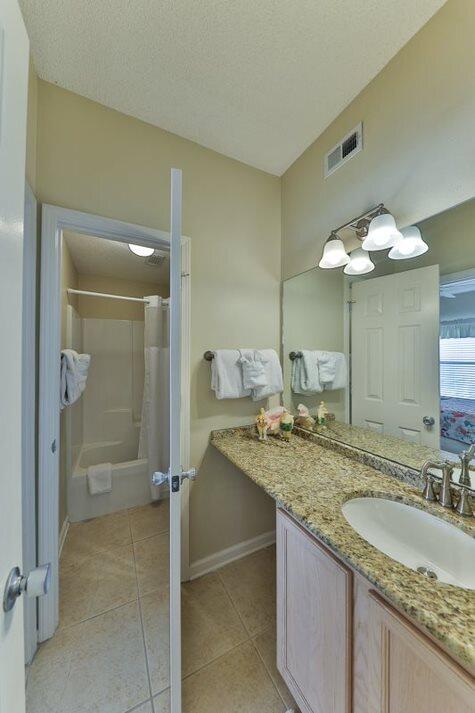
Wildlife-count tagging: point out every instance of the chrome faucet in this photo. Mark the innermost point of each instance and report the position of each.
(466, 458)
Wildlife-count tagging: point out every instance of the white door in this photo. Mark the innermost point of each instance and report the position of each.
(14, 51)
(395, 355)
(175, 473)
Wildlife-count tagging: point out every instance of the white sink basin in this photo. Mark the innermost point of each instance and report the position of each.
(415, 538)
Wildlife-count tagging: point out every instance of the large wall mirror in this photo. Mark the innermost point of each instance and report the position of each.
(405, 388)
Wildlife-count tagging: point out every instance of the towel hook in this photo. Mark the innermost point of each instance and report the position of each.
(208, 355)
(295, 355)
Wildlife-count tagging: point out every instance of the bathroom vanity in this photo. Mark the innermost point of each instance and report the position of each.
(357, 631)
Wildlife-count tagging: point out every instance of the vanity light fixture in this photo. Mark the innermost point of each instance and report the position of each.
(334, 253)
(376, 230)
(141, 250)
(360, 263)
(411, 244)
(382, 233)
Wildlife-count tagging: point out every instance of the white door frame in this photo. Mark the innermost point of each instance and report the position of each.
(54, 220)
(28, 418)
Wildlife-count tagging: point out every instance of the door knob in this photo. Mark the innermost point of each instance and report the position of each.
(35, 584)
(428, 421)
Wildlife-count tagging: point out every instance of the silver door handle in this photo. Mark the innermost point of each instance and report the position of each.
(35, 584)
(160, 478)
(428, 421)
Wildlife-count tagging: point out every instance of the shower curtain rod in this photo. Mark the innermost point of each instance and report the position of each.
(72, 291)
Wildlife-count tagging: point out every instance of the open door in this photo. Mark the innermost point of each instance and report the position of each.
(14, 51)
(176, 475)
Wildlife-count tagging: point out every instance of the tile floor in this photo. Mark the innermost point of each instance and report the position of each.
(110, 653)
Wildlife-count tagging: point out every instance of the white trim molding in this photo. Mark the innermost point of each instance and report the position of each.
(54, 221)
(230, 554)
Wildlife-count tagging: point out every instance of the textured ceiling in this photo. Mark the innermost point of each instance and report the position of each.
(257, 80)
(107, 258)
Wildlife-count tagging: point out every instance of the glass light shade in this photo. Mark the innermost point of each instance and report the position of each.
(382, 233)
(410, 245)
(334, 254)
(141, 250)
(360, 263)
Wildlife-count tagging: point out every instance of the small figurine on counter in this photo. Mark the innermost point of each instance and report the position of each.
(262, 424)
(274, 415)
(304, 420)
(286, 425)
(322, 414)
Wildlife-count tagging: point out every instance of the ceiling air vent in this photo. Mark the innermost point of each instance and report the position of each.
(348, 147)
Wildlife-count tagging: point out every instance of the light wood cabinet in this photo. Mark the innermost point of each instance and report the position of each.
(313, 621)
(341, 648)
(407, 673)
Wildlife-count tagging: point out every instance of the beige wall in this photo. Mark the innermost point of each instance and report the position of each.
(104, 308)
(306, 301)
(93, 159)
(419, 144)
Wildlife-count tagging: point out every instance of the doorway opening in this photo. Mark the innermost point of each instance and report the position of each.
(457, 361)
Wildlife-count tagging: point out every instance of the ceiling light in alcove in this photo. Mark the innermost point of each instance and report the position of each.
(360, 263)
(334, 254)
(410, 245)
(382, 233)
(141, 250)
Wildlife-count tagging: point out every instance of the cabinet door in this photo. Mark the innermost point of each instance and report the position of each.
(313, 621)
(407, 673)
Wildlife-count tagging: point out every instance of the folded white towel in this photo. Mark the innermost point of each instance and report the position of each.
(333, 371)
(253, 368)
(305, 374)
(226, 375)
(273, 374)
(99, 478)
(326, 366)
(74, 368)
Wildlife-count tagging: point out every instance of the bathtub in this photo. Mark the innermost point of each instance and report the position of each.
(130, 480)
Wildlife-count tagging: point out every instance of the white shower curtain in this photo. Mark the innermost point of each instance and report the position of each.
(155, 424)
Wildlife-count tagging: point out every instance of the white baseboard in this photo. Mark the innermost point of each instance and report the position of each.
(63, 533)
(219, 559)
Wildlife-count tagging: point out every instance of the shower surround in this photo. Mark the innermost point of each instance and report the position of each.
(104, 425)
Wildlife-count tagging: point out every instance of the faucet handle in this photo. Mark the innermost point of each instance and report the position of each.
(428, 492)
(463, 506)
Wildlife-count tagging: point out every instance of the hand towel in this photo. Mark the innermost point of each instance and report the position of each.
(326, 366)
(305, 375)
(253, 368)
(74, 368)
(273, 372)
(99, 478)
(226, 375)
(336, 368)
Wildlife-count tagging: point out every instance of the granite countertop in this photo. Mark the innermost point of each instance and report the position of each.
(312, 482)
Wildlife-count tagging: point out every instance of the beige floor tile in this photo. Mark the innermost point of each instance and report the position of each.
(152, 563)
(235, 683)
(210, 625)
(266, 644)
(144, 708)
(92, 537)
(152, 519)
(250, 583)
(156, 622)
(98, 584)
(161, 703)
(97, 666)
